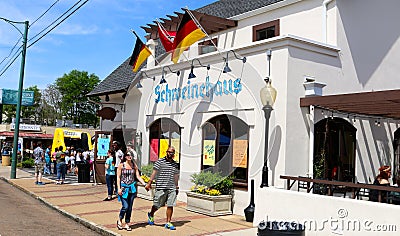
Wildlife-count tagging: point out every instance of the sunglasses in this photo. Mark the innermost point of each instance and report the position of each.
(170, 152)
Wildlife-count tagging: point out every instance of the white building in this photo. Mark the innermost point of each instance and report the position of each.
(347, 51)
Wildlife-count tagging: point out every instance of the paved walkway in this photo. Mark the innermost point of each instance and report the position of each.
(84, 203)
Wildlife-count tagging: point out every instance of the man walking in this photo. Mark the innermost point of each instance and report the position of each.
(119, 154)
(167, 172)
(38, 154)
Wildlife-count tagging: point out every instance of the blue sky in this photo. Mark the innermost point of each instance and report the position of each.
(96, 38)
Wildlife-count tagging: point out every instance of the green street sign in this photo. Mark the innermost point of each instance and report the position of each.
(10, 97)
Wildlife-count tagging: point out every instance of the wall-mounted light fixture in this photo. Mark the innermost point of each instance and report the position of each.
(153, 78)
(226, 68)
(192, 75)
(163, 81)
(107, 98)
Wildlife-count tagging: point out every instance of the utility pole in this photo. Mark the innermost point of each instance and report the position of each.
(19, 101)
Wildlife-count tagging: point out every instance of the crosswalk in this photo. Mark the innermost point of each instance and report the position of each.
(70, 178)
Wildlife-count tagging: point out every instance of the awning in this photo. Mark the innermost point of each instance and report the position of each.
(27, 135)
(380, 103)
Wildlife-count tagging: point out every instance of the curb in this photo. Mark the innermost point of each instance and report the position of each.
(88, 224)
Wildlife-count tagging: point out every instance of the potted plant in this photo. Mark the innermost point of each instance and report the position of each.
(146, 171)
(211, 194)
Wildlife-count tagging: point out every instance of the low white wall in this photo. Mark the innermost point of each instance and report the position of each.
(325, 215)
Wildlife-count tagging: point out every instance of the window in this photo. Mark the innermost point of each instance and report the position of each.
(225, 148)
(208, 46)
(163, 133)
(266, 30)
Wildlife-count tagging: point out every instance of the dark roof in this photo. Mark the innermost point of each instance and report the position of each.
(120, 79)
(230, 8)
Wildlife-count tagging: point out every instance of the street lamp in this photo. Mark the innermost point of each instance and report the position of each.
(268, 96)
(20, 87)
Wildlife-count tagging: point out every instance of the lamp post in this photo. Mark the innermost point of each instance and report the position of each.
(20, 87)
(268, 96)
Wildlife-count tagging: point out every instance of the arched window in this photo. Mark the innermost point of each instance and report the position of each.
(225, 147)
(164, 132)
(334, 150)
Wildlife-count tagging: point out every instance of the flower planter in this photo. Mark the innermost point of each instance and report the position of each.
(142, 193)
(209, 205)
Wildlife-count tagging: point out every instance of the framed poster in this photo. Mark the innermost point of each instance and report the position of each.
(209, 152)
(239, 153)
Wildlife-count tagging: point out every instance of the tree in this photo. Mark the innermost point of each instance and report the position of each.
(75, 105)
(51, 104)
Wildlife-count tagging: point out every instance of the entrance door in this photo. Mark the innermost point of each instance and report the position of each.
(335, 146)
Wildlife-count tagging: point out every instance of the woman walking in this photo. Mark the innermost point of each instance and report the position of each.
(127, 175)
(111, 178)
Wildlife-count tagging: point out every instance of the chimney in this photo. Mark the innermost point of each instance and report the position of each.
(313, 88)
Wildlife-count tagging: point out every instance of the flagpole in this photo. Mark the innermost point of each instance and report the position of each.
(140, 39)
(201, 27)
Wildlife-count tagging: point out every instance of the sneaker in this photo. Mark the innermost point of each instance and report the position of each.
(170, 226)
(40, 183)
(36, 182)
(150, 219)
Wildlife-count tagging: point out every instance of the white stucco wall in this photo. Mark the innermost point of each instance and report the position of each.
(356, 60)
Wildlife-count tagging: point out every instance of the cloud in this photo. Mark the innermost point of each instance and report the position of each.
(75, 29)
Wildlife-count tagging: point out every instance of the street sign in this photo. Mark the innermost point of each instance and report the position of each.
(10, 97)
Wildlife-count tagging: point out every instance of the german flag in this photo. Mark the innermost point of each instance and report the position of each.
(188, 33)
(139, 55)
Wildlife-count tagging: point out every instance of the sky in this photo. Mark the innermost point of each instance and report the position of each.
(97, 38)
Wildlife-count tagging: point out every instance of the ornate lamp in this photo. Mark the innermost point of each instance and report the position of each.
(268, 96)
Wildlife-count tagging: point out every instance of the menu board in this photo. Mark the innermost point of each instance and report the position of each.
(239, 153)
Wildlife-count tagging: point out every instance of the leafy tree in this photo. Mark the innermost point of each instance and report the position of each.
(75, 105)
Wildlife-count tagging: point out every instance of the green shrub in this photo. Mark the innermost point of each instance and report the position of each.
(211, 183)
(28, 163)
(147, 169)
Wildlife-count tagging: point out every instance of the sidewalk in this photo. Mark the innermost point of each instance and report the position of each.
(84, 203)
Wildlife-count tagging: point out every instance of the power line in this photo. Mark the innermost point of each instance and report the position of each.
(48, 9)
(11, 51)
(59, 22)
(21, 37)
(13, 60)
(55, 20)
(16, 54)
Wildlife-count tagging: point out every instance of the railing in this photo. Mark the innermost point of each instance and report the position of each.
(331, 186)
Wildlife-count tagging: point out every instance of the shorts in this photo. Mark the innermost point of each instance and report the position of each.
(39, 167)
(163, 196)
